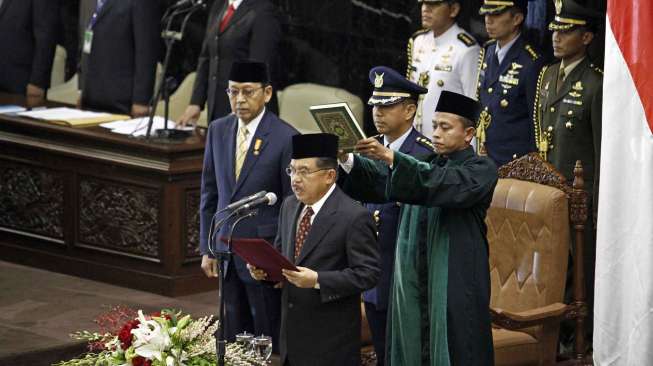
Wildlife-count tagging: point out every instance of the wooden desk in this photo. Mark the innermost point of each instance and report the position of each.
(91, 203)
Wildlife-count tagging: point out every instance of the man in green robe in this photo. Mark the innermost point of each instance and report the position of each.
(439, 307)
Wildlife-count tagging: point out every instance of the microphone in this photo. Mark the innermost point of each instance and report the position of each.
(269, 199)
(234, 205)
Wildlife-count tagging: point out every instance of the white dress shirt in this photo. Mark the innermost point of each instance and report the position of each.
(251, 127)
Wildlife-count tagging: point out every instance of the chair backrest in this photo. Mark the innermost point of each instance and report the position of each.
(180, 99)
(66, 92)
(529, 236)
(58, 73)
(295, 100)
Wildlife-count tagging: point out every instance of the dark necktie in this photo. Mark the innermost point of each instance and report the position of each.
(227, 17)
(302, 232)
(561, 80)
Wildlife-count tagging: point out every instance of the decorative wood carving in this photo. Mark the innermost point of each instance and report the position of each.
(532, 168)
(192, 224)
(32, 200)
(119, 217)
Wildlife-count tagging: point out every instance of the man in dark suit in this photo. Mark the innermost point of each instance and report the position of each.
(507, 84)
(246, 152)
(332, 241)
(236, 30)
(28, 39)
(120, 49)
(393, 117)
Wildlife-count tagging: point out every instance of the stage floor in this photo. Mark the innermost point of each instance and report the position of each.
(39, 309)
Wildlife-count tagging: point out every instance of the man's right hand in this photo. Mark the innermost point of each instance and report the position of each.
(256, 273)
(190, 116)
(209, 266)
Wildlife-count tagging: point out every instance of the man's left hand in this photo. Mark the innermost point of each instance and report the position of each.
(373, 149)
(140, 110)
(35, 96)
(305, 278)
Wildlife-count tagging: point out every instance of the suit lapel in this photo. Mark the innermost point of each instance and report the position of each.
(570, 80)
(259, 141)
(322, 223)
(240, 12)
(409, 143)
(229, 143)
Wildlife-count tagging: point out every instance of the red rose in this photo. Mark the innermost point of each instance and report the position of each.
(125, 335)
(141, 361)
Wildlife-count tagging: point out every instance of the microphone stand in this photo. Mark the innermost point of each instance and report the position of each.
(224, 258)
(169, 37)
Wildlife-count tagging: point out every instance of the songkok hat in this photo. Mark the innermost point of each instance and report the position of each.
(390, 87)
(458, 104)
(499, 6)
(248, 71)
(570, 15)
(315, 145)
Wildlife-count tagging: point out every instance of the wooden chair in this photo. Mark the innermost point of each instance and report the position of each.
(529, 222)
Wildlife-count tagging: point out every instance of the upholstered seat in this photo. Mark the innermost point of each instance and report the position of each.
(529, 238)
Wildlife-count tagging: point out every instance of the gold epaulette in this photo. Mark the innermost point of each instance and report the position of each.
(425, 142)
(489, 43)
(596, 68)
(419, 32)
(531, 51)
(466, 39)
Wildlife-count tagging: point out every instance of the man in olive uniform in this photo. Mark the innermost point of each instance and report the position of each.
(442, 56)
(569, 102)
(507, 83)
(393, 118)
(438, 312)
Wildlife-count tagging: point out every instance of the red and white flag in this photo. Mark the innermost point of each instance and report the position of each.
(623, 310)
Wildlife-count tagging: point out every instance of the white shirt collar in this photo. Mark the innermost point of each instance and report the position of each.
(317, 206)
(396, 144)
(235, 3)
(502, 51)
(253, 125)
(569, 68)
(449, 35)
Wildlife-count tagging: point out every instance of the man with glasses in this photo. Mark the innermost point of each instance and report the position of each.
(332, 241)
(394, 102)
(246, 152)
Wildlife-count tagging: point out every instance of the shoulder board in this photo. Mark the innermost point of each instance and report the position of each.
(466, 39)
(425, 142)
(489, 43)
(596, 68)
(419, 32)
(531, 51)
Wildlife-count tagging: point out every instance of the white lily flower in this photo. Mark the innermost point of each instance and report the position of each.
(150, 339)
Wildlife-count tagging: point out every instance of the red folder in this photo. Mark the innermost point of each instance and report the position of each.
(262, 255)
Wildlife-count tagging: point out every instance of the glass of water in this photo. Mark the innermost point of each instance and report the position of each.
(263, 347)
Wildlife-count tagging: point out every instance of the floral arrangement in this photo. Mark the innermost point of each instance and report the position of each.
(165, 338)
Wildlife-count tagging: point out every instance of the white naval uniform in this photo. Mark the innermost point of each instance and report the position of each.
(451, 63)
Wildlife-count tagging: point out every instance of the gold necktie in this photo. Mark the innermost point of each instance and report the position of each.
(241, 149)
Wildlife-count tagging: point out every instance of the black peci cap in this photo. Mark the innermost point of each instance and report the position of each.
(315, 145)
(458, 104)
(248, 71)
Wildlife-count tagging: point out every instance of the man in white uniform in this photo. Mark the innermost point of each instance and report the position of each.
(442, 56)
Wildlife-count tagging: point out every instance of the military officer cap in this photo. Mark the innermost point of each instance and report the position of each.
(570, 15)
(390, 87)
(248, 71)
(315, 145)
(458, 104)
(491, 7)
(437, 1)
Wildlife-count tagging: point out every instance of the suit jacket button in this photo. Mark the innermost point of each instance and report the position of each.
(290, 305)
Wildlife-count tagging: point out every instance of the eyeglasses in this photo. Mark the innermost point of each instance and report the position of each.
(302, 173)
(247, 93)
